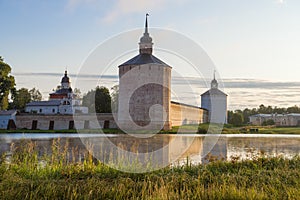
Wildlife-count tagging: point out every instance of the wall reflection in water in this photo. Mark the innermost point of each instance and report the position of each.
(158, 150)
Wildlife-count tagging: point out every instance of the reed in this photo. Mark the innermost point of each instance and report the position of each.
(28, 175)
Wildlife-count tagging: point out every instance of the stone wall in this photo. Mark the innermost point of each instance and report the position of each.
(64, 122)
(186, 114)
(180, 114)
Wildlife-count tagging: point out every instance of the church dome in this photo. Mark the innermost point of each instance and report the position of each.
(214, 83)
(146, 38)
(65, 79)
(145, 47)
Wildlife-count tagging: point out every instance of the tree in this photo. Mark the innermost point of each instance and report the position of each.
(229, 116)
(7, 84)
(98, 100)
(268, 122)
(77, 93)
(262, 109)
(236, 119)
(20, 98)
(35, 94)
(115, 98)
(294, 109)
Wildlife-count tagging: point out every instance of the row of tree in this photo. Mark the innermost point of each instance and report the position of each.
(240, 117)
(10, 97)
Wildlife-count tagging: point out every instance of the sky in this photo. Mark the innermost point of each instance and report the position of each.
(250, 39)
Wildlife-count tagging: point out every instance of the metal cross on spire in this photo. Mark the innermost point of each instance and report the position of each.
(214, 74)
(146, 23)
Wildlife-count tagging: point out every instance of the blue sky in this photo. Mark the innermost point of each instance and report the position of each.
(245, 39)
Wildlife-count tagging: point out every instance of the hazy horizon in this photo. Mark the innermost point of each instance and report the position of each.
(242, 92)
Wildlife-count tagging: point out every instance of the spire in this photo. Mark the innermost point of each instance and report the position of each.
(146, 23)
(214, 74)
(146, 41)
(214, 82)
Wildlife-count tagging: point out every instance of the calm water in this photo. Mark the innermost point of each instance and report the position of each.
(163, 149)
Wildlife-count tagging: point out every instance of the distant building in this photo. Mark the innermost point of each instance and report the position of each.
(8, 119)
(215, 101)
(62, 101)
(290, 119)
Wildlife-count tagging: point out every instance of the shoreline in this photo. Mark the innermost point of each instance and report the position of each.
(202, 129)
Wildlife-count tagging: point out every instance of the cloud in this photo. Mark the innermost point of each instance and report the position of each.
(123, 7)
(281, 1)
(118, 8)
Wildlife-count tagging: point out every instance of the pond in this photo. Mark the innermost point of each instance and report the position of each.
(160, 149)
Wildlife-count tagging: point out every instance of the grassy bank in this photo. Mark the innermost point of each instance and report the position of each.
(24, 177)
(201, 129)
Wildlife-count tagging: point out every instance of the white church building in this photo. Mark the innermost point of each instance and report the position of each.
(62, 101)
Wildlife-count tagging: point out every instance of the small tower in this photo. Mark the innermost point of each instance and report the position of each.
(146, 44)
(65, 81)
(65, 90)
(215, 101)
(144, 90)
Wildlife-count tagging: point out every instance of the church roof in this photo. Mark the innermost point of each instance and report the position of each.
(145, 47)
(63, 91)
(65, 79)
(144, 59)
(44, 103)
(8, 112)
(214, 91)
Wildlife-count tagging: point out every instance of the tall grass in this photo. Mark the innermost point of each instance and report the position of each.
(28, 175)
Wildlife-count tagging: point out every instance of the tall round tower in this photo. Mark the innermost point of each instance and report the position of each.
(144, 90)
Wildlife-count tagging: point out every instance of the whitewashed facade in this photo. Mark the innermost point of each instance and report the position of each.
(63, 106)
(62, 101)
(215, 101)
(5, 116)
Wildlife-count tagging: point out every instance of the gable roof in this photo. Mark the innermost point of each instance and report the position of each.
(44, 103)
(144, 59)
(8, 112)
(214, 91)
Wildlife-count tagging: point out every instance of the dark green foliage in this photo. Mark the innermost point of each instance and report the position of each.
(20, 98)
(268, 122)
(236, 119)
(7, 84)
(98, 100)
(35, 94)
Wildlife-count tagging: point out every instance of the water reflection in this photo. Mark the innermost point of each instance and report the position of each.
(169, 149)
